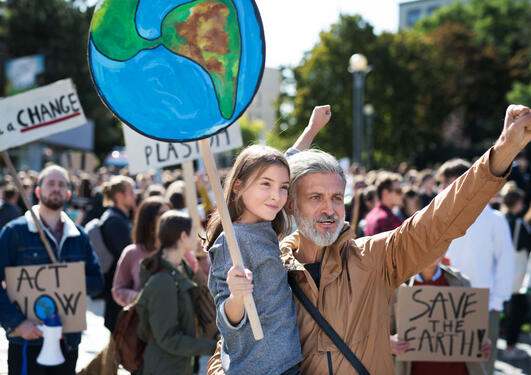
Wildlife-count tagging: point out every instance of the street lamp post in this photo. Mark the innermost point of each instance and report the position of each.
(359, 69)
(368, 111)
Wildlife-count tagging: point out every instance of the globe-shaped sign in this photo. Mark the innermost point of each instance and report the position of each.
(177, 70)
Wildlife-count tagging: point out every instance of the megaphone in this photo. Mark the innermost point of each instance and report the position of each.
(51, 354)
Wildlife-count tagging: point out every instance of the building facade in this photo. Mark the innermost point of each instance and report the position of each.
(263, 104)
(411, 11)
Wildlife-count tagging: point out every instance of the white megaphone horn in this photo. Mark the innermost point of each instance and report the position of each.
(51, 354)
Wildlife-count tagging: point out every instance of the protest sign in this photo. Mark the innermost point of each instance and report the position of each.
(41, 290)
(443, 324)
(39, 113)
(146, 153)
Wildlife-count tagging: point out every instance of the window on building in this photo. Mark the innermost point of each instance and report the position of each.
(432, 10)
(413, 16)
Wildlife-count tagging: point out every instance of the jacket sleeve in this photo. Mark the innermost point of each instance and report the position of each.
(217, 284)
(162, 306)
(424, 237)
(121, 290)
(504, 261)
(116, 235)
(93, 274)
(10, 316)
(214, 366)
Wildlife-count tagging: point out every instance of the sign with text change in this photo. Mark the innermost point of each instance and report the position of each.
(39, 291)
(146, 153)
(39, 113)
(443, 324)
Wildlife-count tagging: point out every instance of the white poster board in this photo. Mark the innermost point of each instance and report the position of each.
(39, 113)
(146, 153)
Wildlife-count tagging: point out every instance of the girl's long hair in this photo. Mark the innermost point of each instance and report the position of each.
(171, 225)
(252, 161)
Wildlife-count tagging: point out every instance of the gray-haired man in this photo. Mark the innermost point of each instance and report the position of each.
(352, 282)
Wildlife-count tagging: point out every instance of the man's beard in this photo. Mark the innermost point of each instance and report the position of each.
(307, 228)
(54, 205)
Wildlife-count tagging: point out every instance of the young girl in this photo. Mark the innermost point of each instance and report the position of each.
(167, 320)
(255, 190)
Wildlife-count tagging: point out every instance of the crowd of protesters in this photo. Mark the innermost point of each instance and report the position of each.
(129, 208)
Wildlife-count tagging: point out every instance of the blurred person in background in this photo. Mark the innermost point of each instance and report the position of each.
(115, 224)
(381, 218)
(412, 202)
(521, 174)
(9, 209)
(126, 283)
(517, 308)
(484, 254)
(427, 187)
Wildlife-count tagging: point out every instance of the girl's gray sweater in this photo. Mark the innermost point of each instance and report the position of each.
(280, 348)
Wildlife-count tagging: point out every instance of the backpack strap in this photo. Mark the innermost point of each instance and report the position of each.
(327, 328)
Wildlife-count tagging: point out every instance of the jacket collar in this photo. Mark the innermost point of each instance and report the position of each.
(70, 229)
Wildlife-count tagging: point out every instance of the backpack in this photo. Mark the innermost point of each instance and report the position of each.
(129, 347)
(105, 257)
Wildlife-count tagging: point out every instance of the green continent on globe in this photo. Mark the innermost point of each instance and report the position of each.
(205, 31)
(113, 30)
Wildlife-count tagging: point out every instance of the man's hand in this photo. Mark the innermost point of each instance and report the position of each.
(516, 134)
(398, 346)
(28, 330)
(320, 116)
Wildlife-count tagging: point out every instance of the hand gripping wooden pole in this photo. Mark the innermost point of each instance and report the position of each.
(22, 193)
(226, 222)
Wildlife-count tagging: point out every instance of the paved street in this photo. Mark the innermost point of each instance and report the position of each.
(96, 336)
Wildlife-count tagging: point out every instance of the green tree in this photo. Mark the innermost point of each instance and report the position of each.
(58, 29)
(520, 94)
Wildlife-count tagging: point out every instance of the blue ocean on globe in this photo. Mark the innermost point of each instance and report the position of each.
(167, 96)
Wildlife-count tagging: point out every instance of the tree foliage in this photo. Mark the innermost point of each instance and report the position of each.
(438, 89)
(58, 29)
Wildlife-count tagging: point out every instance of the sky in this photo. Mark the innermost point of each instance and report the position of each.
(292, 27)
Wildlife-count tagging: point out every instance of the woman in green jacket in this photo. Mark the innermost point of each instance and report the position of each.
(165, 308)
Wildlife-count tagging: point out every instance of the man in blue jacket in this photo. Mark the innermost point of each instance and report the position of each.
(20, 245)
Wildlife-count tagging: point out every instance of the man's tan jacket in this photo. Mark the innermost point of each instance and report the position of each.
(358, 278)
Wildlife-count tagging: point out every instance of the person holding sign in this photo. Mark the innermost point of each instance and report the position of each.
(21, 245)
(256, 190)
(351, 282)
(440, 275)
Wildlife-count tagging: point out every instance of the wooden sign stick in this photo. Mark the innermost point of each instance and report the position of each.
(226, 222)
(20, 188)
(191, 194)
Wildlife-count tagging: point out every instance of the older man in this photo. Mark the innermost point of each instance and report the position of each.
(20, 245)
(352, 282)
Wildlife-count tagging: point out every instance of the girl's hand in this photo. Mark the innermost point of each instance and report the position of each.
(240, 282)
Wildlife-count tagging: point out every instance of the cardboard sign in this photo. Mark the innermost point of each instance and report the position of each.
(146, 153)
(39, 113)
(443, 324)
(50, 288)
